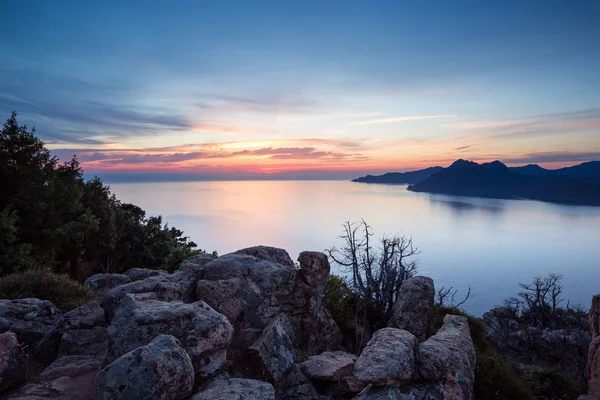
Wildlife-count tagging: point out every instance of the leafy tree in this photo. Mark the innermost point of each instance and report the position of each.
(13, 256)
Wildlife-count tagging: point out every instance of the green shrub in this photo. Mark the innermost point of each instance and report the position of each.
(340, 300)
(66, 294)
(495, 379)
(554, 384)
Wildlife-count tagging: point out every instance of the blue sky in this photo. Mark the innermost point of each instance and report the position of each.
(303, 88)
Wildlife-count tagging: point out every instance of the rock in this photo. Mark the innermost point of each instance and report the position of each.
(345, 388)
(252, 286)
(449, 357)
(29, 319)
(159, 370)
(91, 342)
(67, 378)
(279, 256)
(414, 306)
(204, 333)
(236, 389)
(179, 286)
(329, 366)
(88, 316)
(593, 368)
(296, 386)
(388, 358)
(102, 283)
(382, 393)
(195, 264)
(138, 274)
(415, 392)
(595, 316)
(272, 352)
(12, 362)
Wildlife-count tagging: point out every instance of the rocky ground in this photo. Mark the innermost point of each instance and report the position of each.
(247, 325)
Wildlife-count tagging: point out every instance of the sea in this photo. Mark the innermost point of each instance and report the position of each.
(487, 245)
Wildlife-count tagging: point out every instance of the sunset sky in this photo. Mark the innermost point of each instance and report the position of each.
(174, 90)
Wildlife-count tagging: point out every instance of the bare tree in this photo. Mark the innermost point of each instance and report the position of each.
(376, 274)
(539, 301)
(446, 297)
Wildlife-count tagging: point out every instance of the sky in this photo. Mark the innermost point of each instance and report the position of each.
(184, 90)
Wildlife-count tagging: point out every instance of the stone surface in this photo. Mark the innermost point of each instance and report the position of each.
(87, 316)
(279, 256)
(272, 352)
(195, 264)
(329, 366)
(102, 283)
(204, 333)
(296, 386)
(595, 316)
(139, 274)
(414, 306)
(159, 370)
(67, 378)
(593, 363)
(12, 362)
(416, 392)
(236, 389)
(449, 357)
(91, 342)
(29, 319)
(388, 358)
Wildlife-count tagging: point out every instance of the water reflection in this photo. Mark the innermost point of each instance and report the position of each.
(459, 206)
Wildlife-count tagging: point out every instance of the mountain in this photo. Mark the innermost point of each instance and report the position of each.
(496, 180)
(400, 177)
(589, 171)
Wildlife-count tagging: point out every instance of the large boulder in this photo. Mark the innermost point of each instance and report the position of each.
(414, 306)
(593, 364)
(448, 358)
(252, 286)
(413, 392)
(67, 378)
(236, 389)
(12, 362)
(102, 283)
(138, 274)
(595, 316)
(87, 316)
(204, 333)
(329, 366)
(160, 370)
(29, 319)
(296, 386)
(388, 358)
(90, 342)
(272, 352)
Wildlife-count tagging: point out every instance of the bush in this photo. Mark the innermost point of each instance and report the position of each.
(554, 384)
(339, 299)
(63, 292)
(495, 379)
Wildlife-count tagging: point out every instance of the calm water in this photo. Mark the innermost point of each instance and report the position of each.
(486, 244)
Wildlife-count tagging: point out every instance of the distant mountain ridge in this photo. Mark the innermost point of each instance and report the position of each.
(573, 185)
(398, 178)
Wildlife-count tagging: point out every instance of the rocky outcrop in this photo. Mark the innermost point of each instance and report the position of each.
(448, 358)
(236, 389)
(204, 333)
(139, 274)
(414, 306)
(388, 358)
(159, 370)
(272, 352)
(88, 316)
(29, 319)
(329, 366)
(296, 386)
(593, 363)
(12, 362)
(102, 283)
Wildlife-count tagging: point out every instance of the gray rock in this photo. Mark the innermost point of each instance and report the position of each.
(160, 370)
(414, 306)
(29, 319)
(296, 386)
(593, 369)
(449, 357)
(272, 352)
(91, 342)
(415, 392)
(195, 264)
(88, 316)
(345, 388)
(12, 362)
(204, 333)
(388, 358)
(329, 366)
(102, 283)
(279, 256)
(595, 316)
(138, 274)
(67, 378)
(236, 389)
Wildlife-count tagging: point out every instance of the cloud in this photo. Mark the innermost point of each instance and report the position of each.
(259, 103)
(552, 157)
(399, 119)
(461, 148)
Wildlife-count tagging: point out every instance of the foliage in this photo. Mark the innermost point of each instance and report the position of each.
(340, 300)
(376, 275)
(62, 291)
(495, 379)
(554, 384)
(51, 217)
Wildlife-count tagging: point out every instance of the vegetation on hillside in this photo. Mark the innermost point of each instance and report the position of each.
(51, 217)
